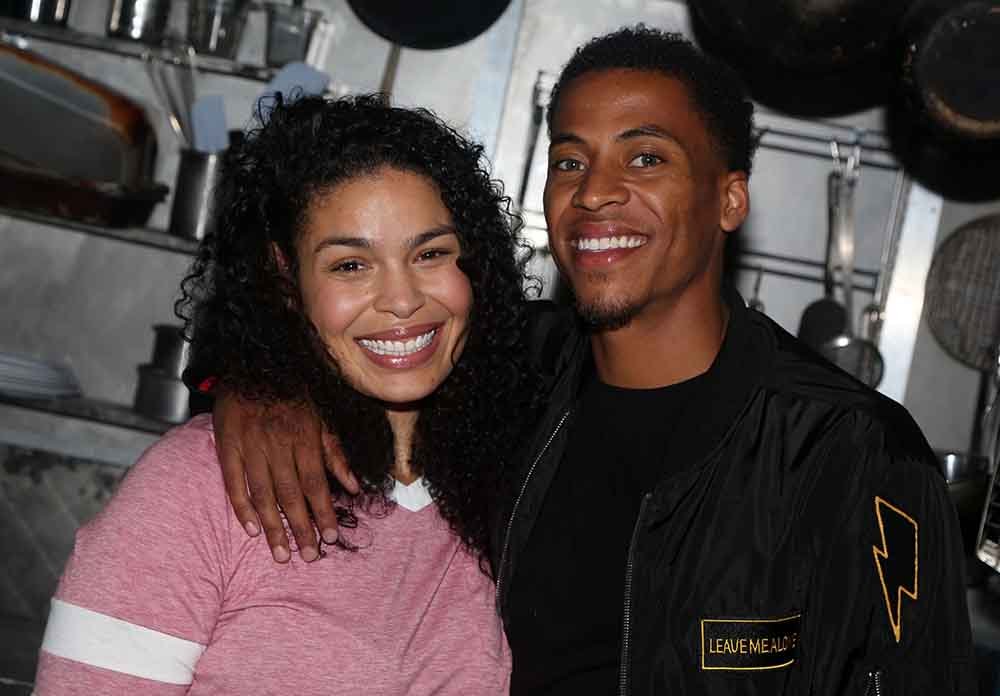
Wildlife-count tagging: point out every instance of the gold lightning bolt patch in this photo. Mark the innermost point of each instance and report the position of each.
(896, 561)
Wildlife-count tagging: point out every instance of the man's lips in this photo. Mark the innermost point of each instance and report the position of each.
(607, 235)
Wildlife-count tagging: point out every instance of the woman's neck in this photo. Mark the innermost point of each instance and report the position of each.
(403, 423)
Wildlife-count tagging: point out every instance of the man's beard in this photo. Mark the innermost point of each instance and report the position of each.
(606, 316)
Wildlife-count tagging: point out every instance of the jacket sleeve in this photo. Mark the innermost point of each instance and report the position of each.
(900, 556)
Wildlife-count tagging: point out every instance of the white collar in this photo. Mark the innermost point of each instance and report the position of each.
(413, 497)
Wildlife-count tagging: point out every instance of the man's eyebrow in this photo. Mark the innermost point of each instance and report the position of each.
(648, 130)
(560, 138)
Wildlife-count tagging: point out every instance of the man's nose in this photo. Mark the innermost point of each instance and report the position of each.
(599, 186)
(399, 294)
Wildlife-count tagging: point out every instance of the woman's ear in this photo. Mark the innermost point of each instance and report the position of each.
(280, 260)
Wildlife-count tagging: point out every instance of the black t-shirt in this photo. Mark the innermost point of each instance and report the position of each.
(567, 595)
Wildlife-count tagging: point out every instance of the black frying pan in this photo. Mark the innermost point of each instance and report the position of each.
(428, 24)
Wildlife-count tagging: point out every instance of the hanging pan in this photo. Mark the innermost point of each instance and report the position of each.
(431, 24)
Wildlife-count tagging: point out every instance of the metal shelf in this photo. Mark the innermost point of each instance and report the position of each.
(144, 236)
(81, 408)
(24, 32)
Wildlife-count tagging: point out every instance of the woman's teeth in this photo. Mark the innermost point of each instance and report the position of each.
(398, 348)
(604, 243)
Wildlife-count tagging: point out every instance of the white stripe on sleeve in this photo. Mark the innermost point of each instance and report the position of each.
(99, 640)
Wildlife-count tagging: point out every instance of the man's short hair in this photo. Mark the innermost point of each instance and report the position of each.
(715, 89)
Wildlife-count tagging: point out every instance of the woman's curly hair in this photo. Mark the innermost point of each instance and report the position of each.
(245, 310)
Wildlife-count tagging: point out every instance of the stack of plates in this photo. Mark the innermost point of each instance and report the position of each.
(27, 378)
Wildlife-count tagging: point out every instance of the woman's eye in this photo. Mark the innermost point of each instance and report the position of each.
(646, 159)
(349, 266)
(431, 254)
(567, 165)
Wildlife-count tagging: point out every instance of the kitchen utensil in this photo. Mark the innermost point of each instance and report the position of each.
(951, 57)
(854, 354)
(215, 26)
(873, 315)
(166, 98)
(801, 56)
(138, 20)
(24, 377)
(54, 12)
(755, 301)
(431, 24)
(208, 123)
(93, 154)
(191, 214)
(293, 80)
(160, 396)
(171, 351)
(290, 30)
(825, 319)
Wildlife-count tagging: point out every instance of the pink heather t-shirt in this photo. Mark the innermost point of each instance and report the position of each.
(166, 594)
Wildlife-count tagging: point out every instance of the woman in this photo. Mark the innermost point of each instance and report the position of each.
(350, 268)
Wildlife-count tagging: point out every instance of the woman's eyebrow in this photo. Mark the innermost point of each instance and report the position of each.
(359, 242)
(433, 233)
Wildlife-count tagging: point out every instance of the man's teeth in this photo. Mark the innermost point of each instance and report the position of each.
(398, 348)
(604, 243)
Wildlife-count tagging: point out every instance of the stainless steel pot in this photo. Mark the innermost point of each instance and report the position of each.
(54, 12)
(139, 20)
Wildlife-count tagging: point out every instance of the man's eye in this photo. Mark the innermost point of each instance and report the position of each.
(646, 159)
(567, 165)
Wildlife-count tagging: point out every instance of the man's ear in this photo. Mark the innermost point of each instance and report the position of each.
(735, 200)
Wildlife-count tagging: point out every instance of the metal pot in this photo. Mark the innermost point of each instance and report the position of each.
(806, 57)
(161, 396)
(431, 24)
(54, 12)
(139, 20)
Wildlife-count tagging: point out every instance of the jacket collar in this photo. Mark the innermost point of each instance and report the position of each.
(726, 388)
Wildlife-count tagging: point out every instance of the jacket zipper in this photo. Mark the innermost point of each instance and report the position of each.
(517, 502)
(874, 686)
(627, 619)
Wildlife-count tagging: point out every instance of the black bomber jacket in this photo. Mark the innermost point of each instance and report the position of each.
(801, 540)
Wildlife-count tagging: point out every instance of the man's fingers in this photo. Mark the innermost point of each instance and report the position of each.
(336, 462)
(316, 489)
(293, 504)
(236, 485)
(262, 498)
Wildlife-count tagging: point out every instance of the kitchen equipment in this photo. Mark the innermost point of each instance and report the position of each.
(755, 302)
(138, 20)
(191, 214)
(824, 319)
(944, 113)
(24, 377)
(93, 155)
(951, 57)
(968, 480)
(802, 56)
(171, 351)
(54, 12)
(298, 79)
(208, 123)
(854, 354)
(431, 24)
(290, 30)
(161, 396)
(215, 26)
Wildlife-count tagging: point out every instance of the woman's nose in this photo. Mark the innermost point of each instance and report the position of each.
(399, 294)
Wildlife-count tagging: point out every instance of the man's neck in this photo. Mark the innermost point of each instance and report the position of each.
(663, 345)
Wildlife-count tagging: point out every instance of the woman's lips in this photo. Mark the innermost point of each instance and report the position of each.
(402, 348)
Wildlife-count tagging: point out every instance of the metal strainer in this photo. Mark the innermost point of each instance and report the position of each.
(963, 293)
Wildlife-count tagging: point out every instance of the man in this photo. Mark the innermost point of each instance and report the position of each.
(705, 507)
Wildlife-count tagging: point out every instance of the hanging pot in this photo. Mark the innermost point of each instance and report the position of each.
(806, 57)
(944, 115)
(431, 24)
